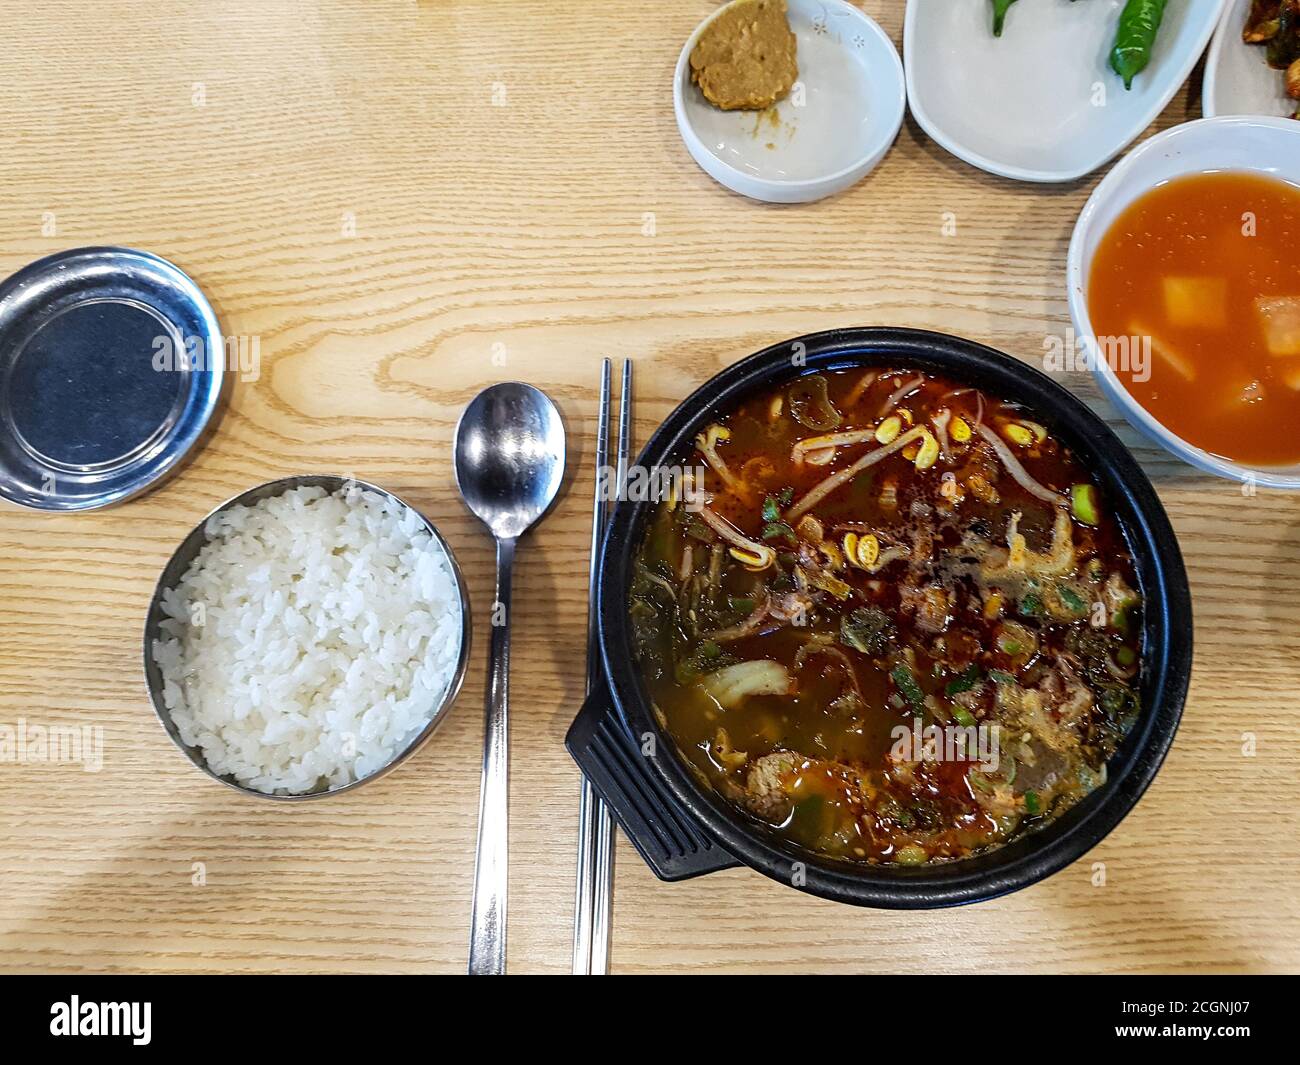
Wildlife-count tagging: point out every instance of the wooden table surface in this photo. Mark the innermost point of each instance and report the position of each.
(408, 201)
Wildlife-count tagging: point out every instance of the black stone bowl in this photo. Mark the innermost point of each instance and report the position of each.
(683, 828)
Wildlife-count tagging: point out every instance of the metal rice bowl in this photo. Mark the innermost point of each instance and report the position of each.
(189, 549)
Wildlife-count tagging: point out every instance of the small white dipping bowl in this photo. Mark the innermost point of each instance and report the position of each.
(1265, 146)
(835, 125)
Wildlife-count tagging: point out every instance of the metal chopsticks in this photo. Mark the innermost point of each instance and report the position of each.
(602, 923)
(595, 877)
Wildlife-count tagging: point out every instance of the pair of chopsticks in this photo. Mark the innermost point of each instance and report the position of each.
(595, 881)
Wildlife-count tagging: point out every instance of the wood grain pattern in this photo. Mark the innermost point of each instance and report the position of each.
(244, 140)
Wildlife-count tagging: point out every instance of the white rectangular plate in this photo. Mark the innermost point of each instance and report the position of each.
(1040, 103)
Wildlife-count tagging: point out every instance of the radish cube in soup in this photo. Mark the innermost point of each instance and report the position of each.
(1196, 302)
(1280, 318)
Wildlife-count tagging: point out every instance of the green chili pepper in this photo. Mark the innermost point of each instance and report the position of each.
(1139, 23)
(1000, 9)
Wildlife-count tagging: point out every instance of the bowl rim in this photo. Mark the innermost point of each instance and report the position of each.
(824, 184)
(276, 487)
(1168, 634)
(1103, 196)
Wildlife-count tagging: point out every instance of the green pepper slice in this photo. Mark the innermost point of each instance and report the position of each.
(1000, 9)
(1139, 23)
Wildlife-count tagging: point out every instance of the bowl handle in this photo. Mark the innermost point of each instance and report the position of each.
(672, 842)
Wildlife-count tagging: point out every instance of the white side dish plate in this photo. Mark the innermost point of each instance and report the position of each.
(1041, 103)
(1238, 79)
(836, 125)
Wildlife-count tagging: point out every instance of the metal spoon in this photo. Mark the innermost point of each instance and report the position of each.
(509, 459)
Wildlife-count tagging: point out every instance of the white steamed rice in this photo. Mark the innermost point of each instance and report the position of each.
(311, 639)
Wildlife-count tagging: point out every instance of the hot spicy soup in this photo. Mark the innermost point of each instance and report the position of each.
(889, 617)
(1204, 272)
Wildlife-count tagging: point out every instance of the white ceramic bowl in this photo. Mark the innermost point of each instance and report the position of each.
(1267, 146)
(833, 128)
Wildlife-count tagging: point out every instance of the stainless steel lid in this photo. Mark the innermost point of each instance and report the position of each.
(111, 365)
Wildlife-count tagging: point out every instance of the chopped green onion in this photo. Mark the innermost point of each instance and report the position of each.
(778, 530)
(1032, 805)
(1121, 618)
(963, 717)
(1084, 504)
(1031, 605)
(964, 683)
(906, 683)
(706, 658)
(867, 630)
(697, 530)
(1014, 640)
(810, 813)
(911, 855)
(1072, 600)
(1117, 702)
